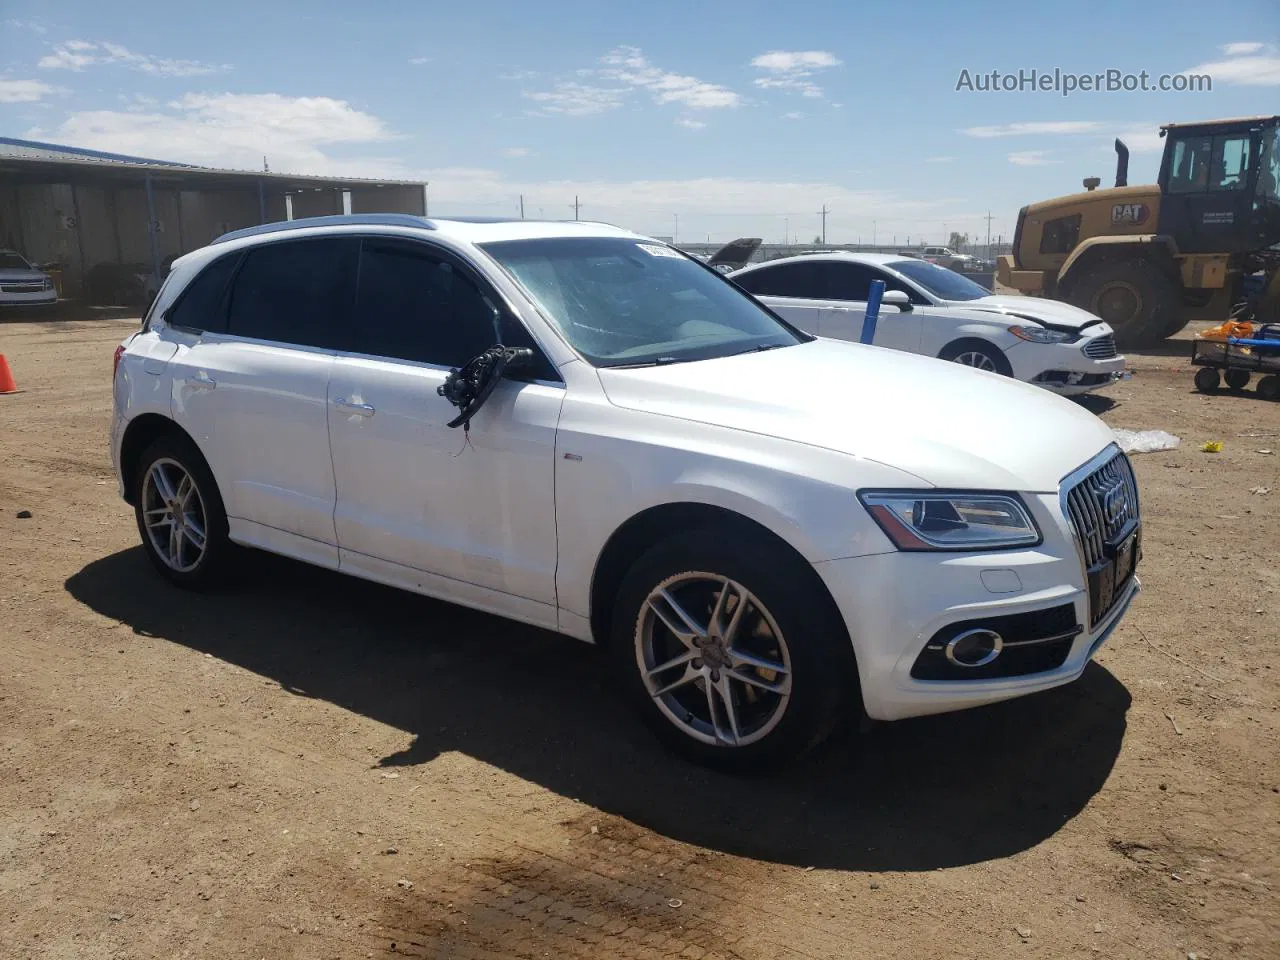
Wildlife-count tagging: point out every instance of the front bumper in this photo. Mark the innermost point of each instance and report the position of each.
(1063, 367)
(894, 604)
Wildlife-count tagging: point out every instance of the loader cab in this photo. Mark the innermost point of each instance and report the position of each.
(1219, 185)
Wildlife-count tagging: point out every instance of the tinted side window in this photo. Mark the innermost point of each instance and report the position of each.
(203, 305)
(296, 291)
(784, 280)
(412, 305)
(849, 281)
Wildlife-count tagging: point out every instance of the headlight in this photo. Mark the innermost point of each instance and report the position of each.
(1041, 335)
(919, 520)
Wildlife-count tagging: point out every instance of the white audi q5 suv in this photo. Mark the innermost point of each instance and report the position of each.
(577, 427)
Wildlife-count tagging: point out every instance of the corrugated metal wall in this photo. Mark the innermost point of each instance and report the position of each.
(83, 227)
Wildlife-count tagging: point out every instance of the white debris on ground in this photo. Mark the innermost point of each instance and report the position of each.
(1145, 441)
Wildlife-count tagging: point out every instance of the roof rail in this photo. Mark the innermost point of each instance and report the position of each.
(341, 220)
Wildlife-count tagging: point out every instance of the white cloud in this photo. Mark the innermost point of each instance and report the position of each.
(623, 71)
(947, 159)
(235, 130)
(574, 99)
(1030, 158)
(35, 26)
(1251, 71)
(630, 66)
(518, 75)
(75, 55)
(1139, 138)
(793, 115)
(1239, 49)
(791, 70)
(26, 91)
(690, 123)
(1034, 127)
(419, 61)
(517, 152)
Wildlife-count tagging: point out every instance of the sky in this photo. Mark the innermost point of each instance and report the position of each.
(684, 119)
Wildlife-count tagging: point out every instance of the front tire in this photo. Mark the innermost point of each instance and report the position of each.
(979, 355)
(731, 654)
(1139, 300)
(180, 515)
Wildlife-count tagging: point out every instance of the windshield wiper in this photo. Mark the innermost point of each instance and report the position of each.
(761, 348)
(659, 362)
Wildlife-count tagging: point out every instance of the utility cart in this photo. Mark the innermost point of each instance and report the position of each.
(1236, 359)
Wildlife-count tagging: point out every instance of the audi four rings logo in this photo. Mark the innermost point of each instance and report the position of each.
(1115, 505)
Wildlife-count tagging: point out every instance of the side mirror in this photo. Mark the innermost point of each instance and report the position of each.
(896, 298)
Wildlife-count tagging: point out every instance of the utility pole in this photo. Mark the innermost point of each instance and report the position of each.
(575, 206)
(265, 168)
(675, 234)
(522, 206)
(989, 219)
(873, 233)
(824, 211)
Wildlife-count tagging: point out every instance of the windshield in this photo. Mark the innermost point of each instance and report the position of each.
(942, 283)
(11, 261)
(627, 302)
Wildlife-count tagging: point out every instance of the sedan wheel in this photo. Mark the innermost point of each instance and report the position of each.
(713, 659)
(977, 359)
(174, 515)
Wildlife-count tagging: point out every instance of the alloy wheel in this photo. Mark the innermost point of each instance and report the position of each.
(976, 359)
(174, 515)
(713, 659)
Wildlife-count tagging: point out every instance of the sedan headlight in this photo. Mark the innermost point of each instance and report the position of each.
(1042, 335)
(919, 520)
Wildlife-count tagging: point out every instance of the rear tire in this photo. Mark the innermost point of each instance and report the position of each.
(1268, 388)
(1207, 380)
(1137, 298)
(764, 671)
(180, 515)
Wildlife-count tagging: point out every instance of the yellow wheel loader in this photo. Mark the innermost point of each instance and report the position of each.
(1201, 244)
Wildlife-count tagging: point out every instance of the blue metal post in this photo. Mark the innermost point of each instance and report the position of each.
(873, 311)
(151, 231)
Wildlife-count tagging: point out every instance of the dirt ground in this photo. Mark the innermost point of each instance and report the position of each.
(310, 766)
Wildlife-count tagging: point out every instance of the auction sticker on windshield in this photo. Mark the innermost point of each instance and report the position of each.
(654, 250)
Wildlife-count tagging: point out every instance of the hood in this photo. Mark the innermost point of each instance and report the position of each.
(1052, 313)
(949, 425)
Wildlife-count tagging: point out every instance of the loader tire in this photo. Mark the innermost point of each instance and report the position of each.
(1139, 300)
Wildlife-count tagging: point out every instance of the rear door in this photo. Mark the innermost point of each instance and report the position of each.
(251, 387)
(792, 289)
(475, 508)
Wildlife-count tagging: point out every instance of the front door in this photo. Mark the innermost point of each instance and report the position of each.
(1207, 206)
(472, 509)
(848, 286)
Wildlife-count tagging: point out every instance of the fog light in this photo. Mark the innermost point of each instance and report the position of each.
(974, 648)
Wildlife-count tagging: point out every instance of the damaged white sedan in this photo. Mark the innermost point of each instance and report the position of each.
(934, 311)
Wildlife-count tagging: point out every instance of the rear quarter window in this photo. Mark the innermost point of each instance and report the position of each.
(202, 306)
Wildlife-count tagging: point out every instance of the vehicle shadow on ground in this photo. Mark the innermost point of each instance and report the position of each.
(915, 795)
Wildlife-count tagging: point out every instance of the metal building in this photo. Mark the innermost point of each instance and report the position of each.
(106, 226)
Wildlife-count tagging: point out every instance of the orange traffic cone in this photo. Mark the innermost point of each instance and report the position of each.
(7, 384)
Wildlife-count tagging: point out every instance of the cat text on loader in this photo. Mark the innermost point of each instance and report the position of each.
(1202, 244)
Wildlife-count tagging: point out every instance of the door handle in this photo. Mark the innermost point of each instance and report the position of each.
(364, 409)
(202, 380)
